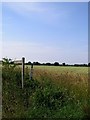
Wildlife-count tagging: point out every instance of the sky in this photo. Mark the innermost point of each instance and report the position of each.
(45, 32)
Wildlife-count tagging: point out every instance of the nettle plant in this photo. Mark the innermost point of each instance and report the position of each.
(8, 67)
(7, 62)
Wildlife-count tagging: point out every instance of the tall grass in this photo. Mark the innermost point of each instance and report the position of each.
(49, 95)
(74, 82)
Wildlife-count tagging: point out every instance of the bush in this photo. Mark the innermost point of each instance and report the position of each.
(38, 99)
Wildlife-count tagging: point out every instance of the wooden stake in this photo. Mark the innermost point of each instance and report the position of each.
(31, 73)
(23, 61)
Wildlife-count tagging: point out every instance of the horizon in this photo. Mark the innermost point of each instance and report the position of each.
(46, 32)
(42, 62)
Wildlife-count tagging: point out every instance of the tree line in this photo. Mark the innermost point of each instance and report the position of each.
(10, 61)
(56, 64)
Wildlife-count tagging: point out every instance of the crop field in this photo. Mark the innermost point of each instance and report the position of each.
(54, 92)
(74, 73)
(75, 79)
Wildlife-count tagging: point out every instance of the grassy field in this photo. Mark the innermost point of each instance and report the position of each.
(54, 92)
(72, 78)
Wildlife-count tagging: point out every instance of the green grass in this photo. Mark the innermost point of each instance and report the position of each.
(54, 92)
(62, 68)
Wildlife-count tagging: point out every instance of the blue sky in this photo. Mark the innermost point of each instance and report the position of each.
(46, 32)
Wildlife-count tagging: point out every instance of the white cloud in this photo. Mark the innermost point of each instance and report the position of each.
(25, 7)
(44, 12)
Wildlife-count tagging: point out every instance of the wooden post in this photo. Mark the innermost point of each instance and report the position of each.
(31, 73)
(23, 61)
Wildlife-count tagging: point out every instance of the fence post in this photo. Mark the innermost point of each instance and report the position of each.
(23, 61)
(31, 73)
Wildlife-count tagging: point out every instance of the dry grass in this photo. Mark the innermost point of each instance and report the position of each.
(75, 79)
